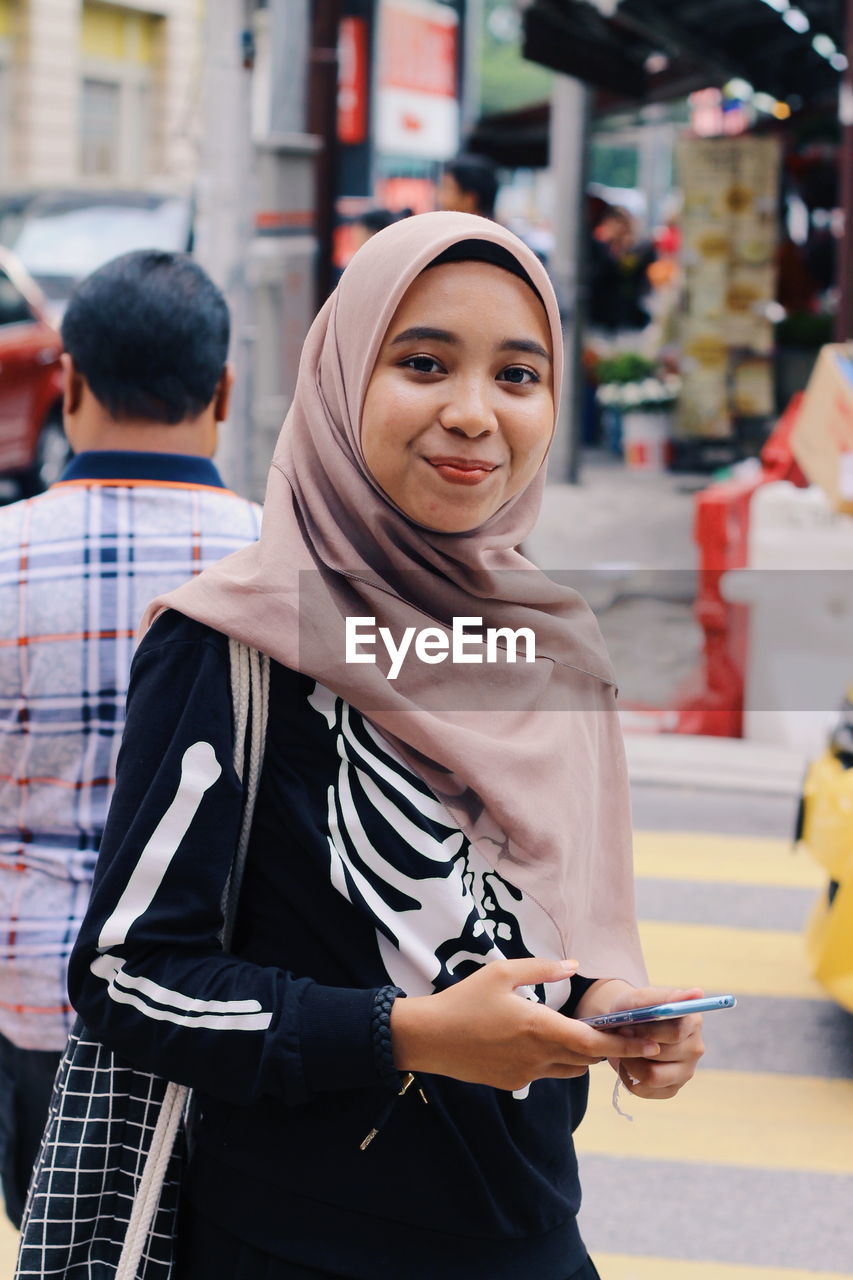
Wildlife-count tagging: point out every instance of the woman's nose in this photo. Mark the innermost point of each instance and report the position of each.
(469, 409)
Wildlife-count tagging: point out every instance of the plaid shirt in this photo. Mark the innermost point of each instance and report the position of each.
(78, 565)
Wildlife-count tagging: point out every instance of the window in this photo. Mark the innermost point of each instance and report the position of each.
(100, 128)
(14, 308)
(137, 146)
(613, 165)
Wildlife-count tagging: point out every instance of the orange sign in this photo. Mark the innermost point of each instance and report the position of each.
(352, 80)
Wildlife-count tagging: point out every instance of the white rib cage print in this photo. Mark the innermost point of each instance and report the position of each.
(439, 909)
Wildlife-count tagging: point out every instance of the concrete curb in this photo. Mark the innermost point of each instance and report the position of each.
(714, 764)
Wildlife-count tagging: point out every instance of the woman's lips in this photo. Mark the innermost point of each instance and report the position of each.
(462, 470)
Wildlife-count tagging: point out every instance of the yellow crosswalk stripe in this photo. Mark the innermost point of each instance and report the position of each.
(756, 1120)
(668, 855)
(618, 1266)
(748, 1119)
(760, 962)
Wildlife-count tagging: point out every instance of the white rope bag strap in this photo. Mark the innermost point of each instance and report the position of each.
(250, 679)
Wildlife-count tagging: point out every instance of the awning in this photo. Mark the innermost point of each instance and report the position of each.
(651, 50)
(514, 139)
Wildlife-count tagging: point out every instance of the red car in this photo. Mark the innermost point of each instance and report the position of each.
(33, 448)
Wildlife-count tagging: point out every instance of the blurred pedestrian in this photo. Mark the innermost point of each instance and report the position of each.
(372, 220)
(448, 833)
(619, 281)
(139, 509)
(469, 184)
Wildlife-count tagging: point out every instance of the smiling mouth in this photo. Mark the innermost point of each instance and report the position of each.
(462, 470)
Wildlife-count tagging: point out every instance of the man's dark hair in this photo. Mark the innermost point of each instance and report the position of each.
(374, 220)
(149, 332)
(476, 175)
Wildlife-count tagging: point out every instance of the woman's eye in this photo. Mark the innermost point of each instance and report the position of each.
(422, 364)
(518, 375)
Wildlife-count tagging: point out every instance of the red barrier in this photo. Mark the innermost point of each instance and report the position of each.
(777, 461)
(712, 700)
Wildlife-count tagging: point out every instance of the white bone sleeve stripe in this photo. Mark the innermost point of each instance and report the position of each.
(199, 771)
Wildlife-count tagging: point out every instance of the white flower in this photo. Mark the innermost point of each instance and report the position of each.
(652, 393)
(651, 389)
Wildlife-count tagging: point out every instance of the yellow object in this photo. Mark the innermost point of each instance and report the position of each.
(828, 835)
(828, 816)
(829, 942)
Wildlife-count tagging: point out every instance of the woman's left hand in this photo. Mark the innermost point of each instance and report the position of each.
(680, 1041)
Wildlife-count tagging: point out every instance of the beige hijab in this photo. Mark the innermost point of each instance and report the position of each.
(528, 757)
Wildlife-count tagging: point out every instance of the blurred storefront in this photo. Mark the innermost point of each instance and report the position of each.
(721, 128)
(353, 104)
(402, 80)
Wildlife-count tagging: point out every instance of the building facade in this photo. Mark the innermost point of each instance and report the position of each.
(100, 94)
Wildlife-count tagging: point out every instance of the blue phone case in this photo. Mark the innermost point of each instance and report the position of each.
(660, 1012)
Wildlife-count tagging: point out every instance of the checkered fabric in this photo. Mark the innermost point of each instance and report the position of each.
(78, 565)
(104, 1112)
(102, 1117)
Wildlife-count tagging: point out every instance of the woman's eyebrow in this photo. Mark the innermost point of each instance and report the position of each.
(423, 333)
(525, 344)
(426, 333)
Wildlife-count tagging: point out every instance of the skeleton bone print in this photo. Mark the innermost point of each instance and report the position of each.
(439, 908)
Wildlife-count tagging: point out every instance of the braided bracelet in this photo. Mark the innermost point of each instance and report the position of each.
(380, 1030)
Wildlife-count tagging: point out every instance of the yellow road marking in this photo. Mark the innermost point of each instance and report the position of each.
(668, 855)
(618, 1266)
(748, 1119)
(759, 962)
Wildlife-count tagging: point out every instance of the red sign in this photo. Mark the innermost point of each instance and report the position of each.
(419, 52)
(352, 80)
(417, 113)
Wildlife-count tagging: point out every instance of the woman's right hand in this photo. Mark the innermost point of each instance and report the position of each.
(482, 1031)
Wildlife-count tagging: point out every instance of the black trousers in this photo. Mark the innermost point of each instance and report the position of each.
(206, 1252)
(26, 1083)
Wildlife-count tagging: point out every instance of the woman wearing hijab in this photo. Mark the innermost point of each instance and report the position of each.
(429, 824)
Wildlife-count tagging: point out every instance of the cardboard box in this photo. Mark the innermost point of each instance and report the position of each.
(822, 440)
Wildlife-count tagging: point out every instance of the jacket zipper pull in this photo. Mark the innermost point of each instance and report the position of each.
(408, 1081)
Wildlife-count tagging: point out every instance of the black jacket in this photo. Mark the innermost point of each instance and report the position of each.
(275, 1037)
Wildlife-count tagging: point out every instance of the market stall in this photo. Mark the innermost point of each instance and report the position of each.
(777, 134)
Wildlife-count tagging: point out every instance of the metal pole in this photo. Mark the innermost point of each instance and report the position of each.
(323, 122)
(569, 117)
(472, 52)
(844, 318)
(224, 217)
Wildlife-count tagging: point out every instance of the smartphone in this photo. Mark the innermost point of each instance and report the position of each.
(658, 1012)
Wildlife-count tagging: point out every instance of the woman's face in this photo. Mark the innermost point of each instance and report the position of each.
(459, 410)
